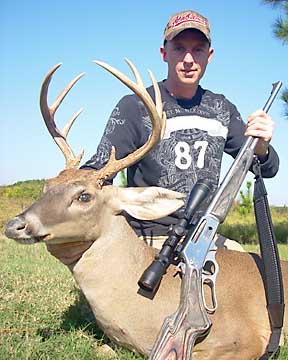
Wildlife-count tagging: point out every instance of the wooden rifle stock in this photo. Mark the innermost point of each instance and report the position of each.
(181, 329)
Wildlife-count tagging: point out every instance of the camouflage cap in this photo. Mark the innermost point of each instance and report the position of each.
(186, 20)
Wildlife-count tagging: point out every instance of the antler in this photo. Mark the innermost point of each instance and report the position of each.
(156, 113)
(48, 115)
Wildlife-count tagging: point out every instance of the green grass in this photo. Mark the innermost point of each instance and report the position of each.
(243, 227)
(43, 315)
(283, 250)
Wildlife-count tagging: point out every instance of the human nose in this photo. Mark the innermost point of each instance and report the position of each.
(188, 58)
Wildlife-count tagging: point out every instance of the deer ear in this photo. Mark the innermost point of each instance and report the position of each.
(149, 203)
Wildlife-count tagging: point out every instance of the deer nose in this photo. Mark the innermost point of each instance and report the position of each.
(15, 228)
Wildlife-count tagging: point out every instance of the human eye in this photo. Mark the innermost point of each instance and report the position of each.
(199, 49)
(179, 48)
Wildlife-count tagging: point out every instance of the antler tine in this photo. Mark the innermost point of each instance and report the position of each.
(135, 73)
(48, 115)
(156, 114)
(64, 92)
(158, 101)
(68, 126)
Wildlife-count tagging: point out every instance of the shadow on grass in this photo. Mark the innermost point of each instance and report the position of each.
(78, 316)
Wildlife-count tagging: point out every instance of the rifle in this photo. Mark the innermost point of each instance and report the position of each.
(180, 330)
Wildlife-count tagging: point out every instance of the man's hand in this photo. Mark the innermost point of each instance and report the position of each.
(69, 253)
(262, 126)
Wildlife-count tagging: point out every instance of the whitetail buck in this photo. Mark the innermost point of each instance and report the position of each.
(76, 206)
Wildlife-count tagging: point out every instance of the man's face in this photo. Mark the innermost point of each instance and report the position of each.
(187, 56)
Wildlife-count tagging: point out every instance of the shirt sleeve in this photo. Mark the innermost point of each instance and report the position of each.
(121, 131)
(269, 164)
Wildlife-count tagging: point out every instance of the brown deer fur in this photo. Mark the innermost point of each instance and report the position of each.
(109, 270)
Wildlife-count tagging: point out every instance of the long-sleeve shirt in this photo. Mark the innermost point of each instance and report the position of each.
(198, 131)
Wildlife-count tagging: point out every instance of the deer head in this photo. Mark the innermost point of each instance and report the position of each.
(71, 200)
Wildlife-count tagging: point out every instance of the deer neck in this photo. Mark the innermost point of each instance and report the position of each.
(117, 255)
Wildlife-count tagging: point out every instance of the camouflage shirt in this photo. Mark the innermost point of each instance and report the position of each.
(198, 131)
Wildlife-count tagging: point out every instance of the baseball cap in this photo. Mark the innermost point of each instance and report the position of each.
(186, 20)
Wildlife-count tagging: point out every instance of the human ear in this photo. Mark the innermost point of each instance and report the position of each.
(163, 53)
(210, 54)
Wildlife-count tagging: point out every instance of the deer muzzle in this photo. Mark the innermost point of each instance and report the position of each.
(19, 230)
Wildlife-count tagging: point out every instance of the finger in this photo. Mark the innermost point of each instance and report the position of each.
(261, 123)
(262, 128)
(258, 113)
(262, 134)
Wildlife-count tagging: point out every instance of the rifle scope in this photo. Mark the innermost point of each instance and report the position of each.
(152, 276)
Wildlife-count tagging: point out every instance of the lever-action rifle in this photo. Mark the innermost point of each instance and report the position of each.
(181, 329)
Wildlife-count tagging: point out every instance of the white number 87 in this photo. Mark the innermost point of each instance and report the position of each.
(183, 158)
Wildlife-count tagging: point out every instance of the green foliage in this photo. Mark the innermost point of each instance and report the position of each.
(280, 30)
(123, 178)
(246, 203)
(284, 97)
(30, 189)
(16, 198)
(280, 27)
(243, 227)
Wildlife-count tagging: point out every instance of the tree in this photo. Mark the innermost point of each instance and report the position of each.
(246, 203)
(280, 30)
(29, 189)
(280, 27)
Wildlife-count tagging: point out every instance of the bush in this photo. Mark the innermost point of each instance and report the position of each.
(30, 189)
(242, 227)
(246, 203)
(16, 198)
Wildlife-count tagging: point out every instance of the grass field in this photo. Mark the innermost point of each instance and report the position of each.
(43, 314)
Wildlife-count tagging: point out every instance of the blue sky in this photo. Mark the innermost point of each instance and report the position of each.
(35, 35)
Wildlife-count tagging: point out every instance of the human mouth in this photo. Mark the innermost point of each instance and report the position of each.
(189, 73)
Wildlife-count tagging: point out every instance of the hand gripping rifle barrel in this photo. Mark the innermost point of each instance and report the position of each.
(152, 276)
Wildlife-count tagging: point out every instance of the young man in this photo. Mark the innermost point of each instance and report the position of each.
(201, 125)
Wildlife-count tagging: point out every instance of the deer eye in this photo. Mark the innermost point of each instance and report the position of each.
(85, 197)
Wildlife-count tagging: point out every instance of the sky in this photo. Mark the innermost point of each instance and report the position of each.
(36, 35)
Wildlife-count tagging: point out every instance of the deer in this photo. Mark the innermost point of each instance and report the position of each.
(76, 205)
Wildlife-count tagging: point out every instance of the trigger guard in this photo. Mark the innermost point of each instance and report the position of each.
(211, 310)
(210, 280)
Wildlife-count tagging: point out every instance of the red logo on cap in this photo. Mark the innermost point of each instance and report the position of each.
(189, 17)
